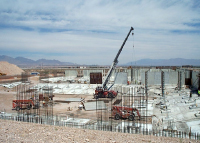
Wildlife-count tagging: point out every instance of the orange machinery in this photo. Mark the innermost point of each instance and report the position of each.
(124, 112)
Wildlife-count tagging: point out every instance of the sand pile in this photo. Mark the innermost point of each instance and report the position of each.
(9, 69)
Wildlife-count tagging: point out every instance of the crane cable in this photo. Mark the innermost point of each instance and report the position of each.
(133, 53)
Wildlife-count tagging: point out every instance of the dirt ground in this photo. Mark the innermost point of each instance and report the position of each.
(18, 132)
(6, 97)
(63, 108)
(60, 109)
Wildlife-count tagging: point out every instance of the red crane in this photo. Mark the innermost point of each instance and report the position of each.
(103, 91)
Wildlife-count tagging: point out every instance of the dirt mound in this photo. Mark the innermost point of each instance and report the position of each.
(9, 69)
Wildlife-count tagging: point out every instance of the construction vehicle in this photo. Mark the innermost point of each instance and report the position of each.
(103, 91)
(124, 112)
(24, 104)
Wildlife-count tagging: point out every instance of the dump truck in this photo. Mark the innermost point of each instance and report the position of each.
(24, 104)
(124, 112)
(104, 91)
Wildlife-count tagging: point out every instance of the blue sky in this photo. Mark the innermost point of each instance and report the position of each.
(92, 31)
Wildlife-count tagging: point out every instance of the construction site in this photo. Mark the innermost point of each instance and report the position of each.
(161, 101)
(147, 99)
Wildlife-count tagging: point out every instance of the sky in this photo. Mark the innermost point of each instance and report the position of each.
(92, 31)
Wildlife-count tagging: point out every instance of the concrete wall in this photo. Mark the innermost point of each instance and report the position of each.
(195, 82)
(173, 78)
(69, 73)
(121, 78)
(87, 72)
(154, 77)
(137, 73)
(129, 72)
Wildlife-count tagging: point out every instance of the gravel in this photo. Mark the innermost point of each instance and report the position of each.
(13, 131)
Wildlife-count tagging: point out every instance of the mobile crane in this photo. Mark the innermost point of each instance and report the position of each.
(103, 91)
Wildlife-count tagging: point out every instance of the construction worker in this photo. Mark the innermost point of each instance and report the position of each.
(199, 91)
(43, 103)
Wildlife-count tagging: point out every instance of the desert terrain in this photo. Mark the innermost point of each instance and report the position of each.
(12, 131)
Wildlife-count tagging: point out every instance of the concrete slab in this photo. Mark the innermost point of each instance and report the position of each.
(11, 85)
(66, 88)
(195, 126)
(74, 99)
(133, 124)
(77, 121)
(180, 111)
(99, 105)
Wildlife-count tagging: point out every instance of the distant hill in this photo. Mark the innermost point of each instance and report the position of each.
(166, 62)
(21, 61)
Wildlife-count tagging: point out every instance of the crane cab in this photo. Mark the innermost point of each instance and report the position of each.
(104, 93)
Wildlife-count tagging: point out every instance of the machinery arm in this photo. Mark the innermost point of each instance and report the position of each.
(115, 62)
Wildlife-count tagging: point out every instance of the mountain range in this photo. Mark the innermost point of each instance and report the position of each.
(21, 61)
(166, 62)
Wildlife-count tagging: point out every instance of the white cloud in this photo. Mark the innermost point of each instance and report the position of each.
(103, 15)
(93, 31)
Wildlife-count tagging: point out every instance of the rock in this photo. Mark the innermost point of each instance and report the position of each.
(70, 138)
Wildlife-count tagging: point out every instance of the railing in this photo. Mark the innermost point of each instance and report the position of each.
(103, 127)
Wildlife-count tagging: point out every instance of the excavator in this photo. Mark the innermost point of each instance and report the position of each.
(104, 91)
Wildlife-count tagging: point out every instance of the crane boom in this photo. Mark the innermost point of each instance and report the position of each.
(115, 62)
